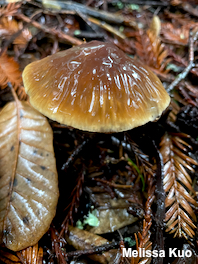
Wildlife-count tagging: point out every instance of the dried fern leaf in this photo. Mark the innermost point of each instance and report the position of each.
(151, 51)
(9, 72)
(175, 35)
(178, 186)
(143, 243)
(33, 255)
(9, 69)
(8, 257)
(9, 9)
(28, 176)
(175, 109)
(8, 27)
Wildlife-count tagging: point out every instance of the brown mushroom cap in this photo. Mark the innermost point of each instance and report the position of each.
(95, 87)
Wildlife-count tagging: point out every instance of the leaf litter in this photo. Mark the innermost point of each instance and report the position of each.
(92, 169)
(29, 184)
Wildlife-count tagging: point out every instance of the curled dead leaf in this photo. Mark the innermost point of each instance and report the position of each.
(81, 240)
(28, 176)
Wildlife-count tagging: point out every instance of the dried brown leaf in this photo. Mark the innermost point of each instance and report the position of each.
(181, 20)
(114, 217)
(28, 177)
(81, 239)
(178, 186)
(174, 35)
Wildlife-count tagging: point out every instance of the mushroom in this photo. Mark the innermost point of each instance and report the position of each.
(95, 87)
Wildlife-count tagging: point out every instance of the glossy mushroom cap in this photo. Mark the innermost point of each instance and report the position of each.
(95, 87)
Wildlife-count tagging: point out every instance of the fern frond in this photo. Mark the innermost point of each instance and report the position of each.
(33, 254)
(175, 110)
(151, 51)
(9, 9)
(189, 93)
(174, 35)
(180, 216)
(8, 27)
(7, 256)
(9, 72)
(143, 243)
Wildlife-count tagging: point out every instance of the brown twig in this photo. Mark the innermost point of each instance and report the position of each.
(160, 211)
(93, 250)
(191, 64)
(150, 198)
(58, 33)
(74, 154)
(56, 245)
(80, 8)
(107, 27)
(113, 184)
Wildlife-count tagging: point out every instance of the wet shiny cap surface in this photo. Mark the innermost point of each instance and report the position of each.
(95, 87)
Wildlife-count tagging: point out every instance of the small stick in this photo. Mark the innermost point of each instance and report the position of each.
(11, 40)
(107, 27)
(80, 8)
(113, 184)
(58, 33)
(191, 63)
(57, 246)
(148, 3)
(75, 153)
(93, 250)
(160, 211)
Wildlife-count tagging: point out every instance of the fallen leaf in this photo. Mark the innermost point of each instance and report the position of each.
(82, 240)
(112, 214)
(28, 176)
